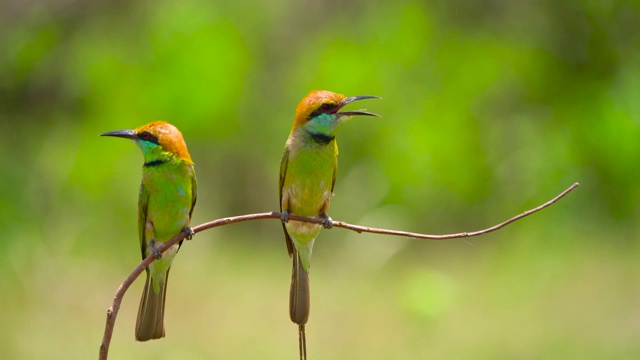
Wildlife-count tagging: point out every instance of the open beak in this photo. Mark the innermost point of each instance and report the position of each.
(127, 134)
(358, 112)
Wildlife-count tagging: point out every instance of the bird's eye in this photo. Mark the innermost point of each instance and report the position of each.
(323, 109)
(147, 136)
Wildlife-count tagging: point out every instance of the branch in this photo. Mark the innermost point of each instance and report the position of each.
(112, 312)
(361, 229)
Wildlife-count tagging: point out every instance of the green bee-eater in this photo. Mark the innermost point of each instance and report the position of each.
(307, 176)
(165, 204)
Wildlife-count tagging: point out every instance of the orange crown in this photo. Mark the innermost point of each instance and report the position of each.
(169, 137)
(312, 102)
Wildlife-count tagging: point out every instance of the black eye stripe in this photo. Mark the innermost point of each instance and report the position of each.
(315, 113)
(146, 136)
(323, 109)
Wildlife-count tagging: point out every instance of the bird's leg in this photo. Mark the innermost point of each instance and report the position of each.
(189, 231)
(328, 222)
(154, 250)
(284, 216)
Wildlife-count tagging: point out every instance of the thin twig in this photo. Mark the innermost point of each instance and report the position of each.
(361, 229)
(112, 312)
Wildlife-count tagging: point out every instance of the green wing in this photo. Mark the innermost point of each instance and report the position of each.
(284, 162)
(335, 168)
(283, 174)
(143, 202)
(335, 174)
(194, 192)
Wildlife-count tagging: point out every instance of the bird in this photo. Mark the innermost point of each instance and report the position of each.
(166, 200)
(308, 171)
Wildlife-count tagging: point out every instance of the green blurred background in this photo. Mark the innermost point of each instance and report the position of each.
(489, 108)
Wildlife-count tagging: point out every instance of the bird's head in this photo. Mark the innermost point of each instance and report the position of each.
(319, 111)
(158, 140)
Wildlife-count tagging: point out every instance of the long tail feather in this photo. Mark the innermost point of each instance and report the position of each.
(299, 299)
(302, 342)
(150, 323)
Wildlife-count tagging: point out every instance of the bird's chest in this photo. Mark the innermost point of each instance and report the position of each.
(309, 180)
(168, 205)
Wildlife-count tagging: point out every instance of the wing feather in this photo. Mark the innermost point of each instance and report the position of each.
(143, 203)
(283, 174)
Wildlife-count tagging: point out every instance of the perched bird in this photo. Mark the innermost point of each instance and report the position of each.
(307, 176)
(165, 204)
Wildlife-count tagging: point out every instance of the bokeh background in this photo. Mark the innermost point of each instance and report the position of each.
(489, 108)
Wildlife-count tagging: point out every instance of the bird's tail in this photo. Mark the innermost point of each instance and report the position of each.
(299, 299)
(150, 323)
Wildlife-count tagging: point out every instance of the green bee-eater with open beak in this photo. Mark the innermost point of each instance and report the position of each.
(307, 176)
(165, 204)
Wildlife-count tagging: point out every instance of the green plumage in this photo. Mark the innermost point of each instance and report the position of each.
(307, 176)
(308, 173)
(166, 200)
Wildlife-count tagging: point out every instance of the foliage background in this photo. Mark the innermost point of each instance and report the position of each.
(490, 107)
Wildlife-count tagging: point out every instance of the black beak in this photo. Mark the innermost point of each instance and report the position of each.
(351, 99)
(127, 134)
(358, 112)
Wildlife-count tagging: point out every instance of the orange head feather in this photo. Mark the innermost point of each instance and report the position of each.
(313, 101)
(323, 102)
(167, 136)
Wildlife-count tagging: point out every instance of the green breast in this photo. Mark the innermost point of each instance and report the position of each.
(309, 180)
(170, 197)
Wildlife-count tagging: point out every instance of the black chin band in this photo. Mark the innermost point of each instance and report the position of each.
(322, 139)
(154, 163)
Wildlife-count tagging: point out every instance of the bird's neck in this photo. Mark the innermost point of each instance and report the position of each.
(320, 130)
(155, 156)
(305, 137)
(320, 138)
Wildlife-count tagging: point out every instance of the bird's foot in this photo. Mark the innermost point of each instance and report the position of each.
(328, 222)
(189, 231)
(154, 250)
(284, 216)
